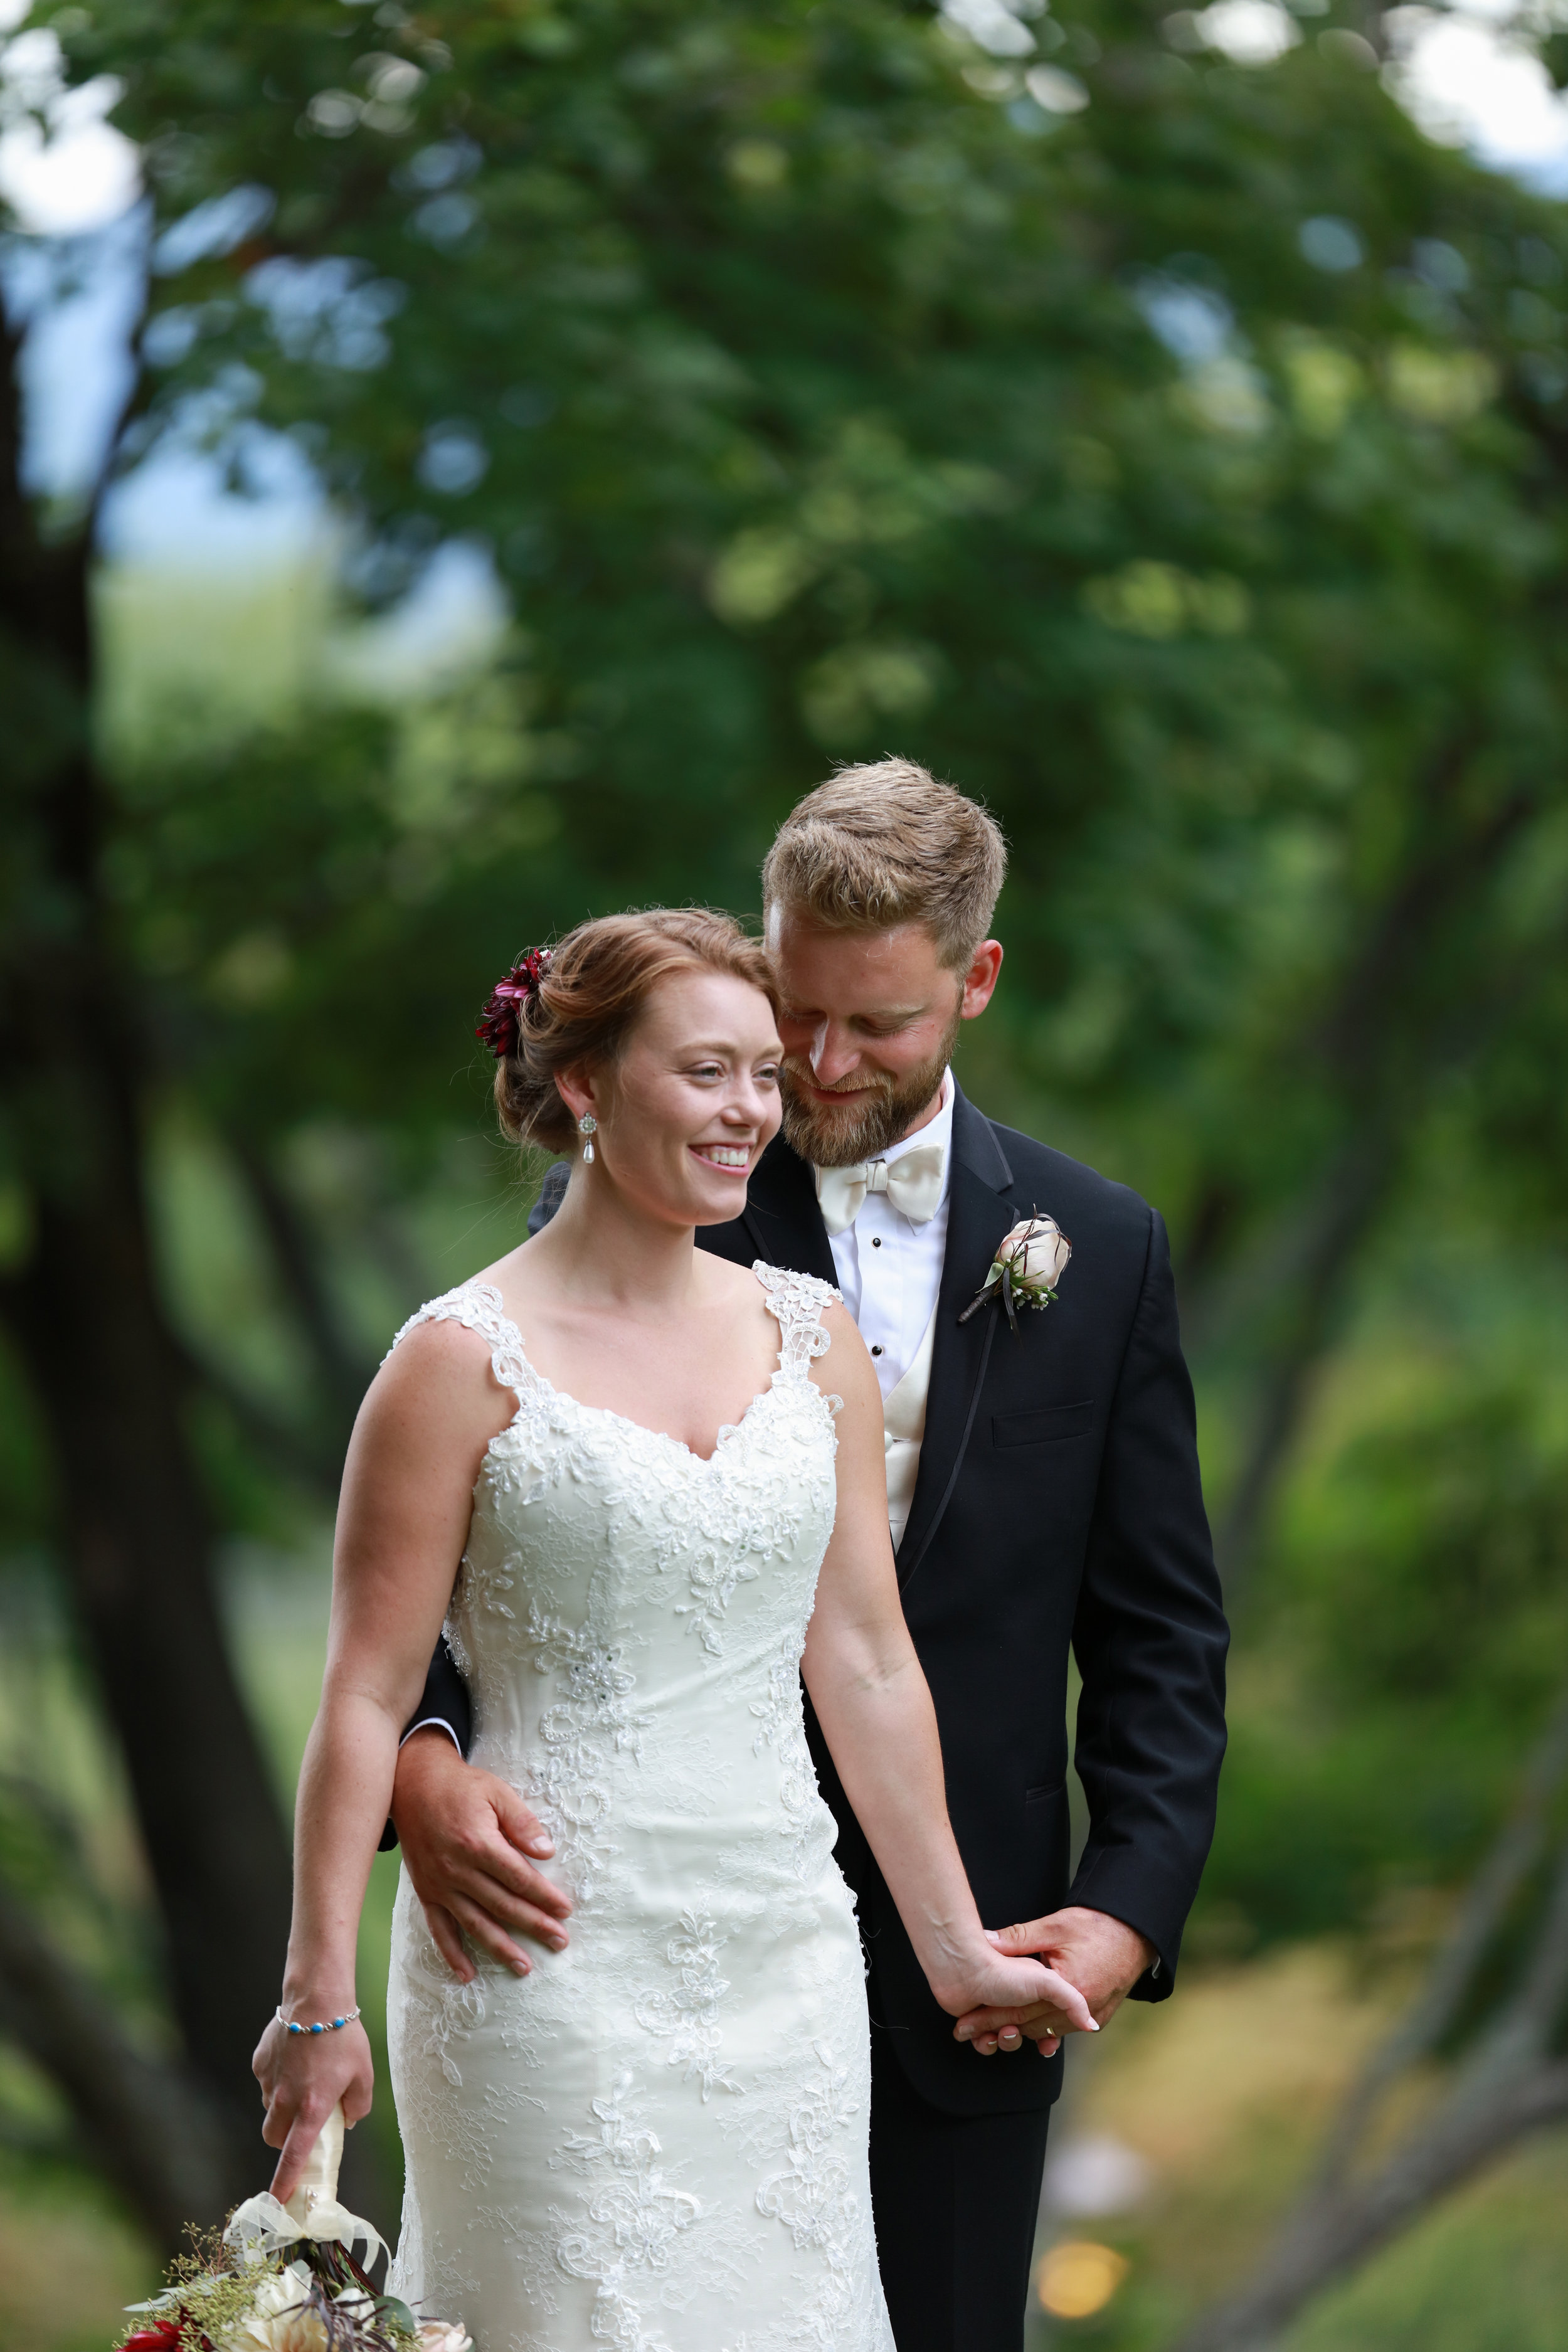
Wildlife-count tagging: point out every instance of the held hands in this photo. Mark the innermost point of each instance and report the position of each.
(466, 1840)
(990, 1983)
(1102, 1958)
(303, 2077)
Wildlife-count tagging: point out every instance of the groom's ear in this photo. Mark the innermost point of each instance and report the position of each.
(980, 979)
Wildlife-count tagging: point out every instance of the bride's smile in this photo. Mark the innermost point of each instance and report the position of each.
(685, 1110)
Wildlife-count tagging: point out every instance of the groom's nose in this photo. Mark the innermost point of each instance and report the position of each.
(832, 1055)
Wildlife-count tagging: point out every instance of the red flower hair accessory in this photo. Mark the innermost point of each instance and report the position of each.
(503, 1008)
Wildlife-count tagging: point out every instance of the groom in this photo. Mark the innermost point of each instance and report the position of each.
(1043, 1494)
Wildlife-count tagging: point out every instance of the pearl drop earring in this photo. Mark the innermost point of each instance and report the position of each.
(588, 1126)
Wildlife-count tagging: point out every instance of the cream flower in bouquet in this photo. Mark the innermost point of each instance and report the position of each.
(283, 2317)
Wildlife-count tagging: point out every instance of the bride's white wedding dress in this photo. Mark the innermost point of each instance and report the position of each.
(658, 2141)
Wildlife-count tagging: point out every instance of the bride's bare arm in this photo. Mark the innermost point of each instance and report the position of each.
(402, 1520)
(876, 1713)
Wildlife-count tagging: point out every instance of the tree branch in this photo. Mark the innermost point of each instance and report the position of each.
(1491, 1890)
(149, 2130)
(317, 1467)
(1374, 1040)
(1525, 2026)
(1352, 1195)
(1506, 2088)
(1332, 2233)
(343, 1375)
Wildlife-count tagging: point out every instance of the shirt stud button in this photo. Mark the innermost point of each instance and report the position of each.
(875, 1240)
(876, 1351)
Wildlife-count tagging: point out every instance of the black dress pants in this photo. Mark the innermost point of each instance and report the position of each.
(955, 2199)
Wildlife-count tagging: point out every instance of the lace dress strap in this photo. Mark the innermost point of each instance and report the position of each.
(797, 1300)
(478, 1307)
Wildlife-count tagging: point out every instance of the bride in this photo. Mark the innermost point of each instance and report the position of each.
(613, 1464)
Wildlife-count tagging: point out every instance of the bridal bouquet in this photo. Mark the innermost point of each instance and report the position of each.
(287, 2278)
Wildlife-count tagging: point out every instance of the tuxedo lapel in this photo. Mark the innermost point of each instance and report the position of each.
(979, 1213)
(782, 1216)
(784, 1226)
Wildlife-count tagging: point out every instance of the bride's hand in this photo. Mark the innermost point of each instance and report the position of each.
(302, 2078)
(1000, 2003)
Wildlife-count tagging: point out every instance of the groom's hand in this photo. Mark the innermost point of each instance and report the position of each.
(1101, 1956)
(469, 1844)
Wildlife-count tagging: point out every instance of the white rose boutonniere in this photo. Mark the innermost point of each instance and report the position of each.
(1031, 1261)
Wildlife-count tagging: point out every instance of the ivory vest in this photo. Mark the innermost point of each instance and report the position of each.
(904, 1432)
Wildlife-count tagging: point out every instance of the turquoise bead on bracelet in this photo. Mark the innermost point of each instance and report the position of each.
(327, 2025)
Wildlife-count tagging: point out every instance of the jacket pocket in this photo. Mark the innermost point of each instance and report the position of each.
(1039, 1796)
(1046, 1426)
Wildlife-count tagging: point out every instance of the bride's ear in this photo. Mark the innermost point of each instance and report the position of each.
(581, 1090)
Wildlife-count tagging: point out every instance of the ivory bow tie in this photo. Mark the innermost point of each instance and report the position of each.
(912, 1182)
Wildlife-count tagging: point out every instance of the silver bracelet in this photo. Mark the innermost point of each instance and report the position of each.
(327, 2025)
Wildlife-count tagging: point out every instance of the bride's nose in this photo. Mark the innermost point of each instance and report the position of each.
(747, 1106)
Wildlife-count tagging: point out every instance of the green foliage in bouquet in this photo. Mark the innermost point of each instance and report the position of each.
(311, 2297)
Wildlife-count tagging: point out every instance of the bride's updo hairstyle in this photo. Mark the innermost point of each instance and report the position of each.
(581, 1000)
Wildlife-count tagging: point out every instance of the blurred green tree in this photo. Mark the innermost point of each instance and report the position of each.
(1169, 448)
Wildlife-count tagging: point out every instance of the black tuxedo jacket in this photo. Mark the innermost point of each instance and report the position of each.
(1058, 1508)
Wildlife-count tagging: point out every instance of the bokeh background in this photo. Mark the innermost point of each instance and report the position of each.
(468, 466)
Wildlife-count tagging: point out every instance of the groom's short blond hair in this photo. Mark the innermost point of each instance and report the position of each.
(887, 844)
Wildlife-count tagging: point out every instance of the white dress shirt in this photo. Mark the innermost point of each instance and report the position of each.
(890, 1270)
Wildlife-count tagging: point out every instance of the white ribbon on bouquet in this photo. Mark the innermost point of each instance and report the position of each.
(262, 2226)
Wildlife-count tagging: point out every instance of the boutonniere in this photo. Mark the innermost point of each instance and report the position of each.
(1029, 1262)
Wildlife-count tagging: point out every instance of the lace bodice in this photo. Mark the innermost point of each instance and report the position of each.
(678, 2100)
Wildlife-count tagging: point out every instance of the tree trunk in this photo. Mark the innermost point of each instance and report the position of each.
(150, 2130)
(84, 1313)
(137, 1549)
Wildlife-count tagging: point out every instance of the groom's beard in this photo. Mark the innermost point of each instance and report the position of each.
(869, 1116)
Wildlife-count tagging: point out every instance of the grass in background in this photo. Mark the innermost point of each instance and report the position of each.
(1223, 2092)
(69, 2261)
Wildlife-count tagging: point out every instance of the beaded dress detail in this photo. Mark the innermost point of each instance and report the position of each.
(657, 2141)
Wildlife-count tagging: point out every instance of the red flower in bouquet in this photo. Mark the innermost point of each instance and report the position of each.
(162, 2337)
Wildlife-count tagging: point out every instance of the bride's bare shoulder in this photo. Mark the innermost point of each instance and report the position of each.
(723, 1278)
(446, 1349)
